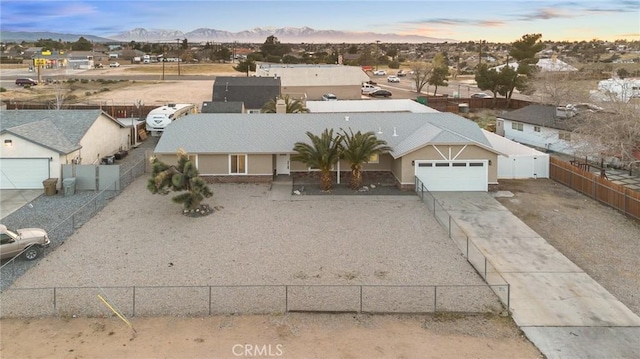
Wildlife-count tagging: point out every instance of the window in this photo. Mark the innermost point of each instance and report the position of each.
(517, 126)
(238, 164)
(564, 136)
(536, 128)
(459, 164)
(374, 159)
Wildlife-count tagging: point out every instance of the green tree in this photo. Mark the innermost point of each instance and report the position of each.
(322, 153)
(524, 52)
(622, 73)
(488, 79)
(223, 54)
(273, 47)
(245, 66)
(182, 177)
(82, 45)
(292, 105)
(357, 149)
(440, 73)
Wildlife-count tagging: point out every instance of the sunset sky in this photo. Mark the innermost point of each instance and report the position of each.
(494, 21)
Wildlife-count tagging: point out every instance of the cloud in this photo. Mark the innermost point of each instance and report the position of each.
(456, 22)
(546, 14)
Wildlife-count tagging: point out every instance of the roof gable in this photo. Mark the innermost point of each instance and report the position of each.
(60, 130)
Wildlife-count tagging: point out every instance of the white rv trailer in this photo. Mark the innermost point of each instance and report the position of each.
(159, 118)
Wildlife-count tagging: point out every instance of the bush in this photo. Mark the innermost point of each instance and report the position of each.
(87, 93)
(71, 97)
(104, 89)
(71, 81)
(394, 65)
(84, 81)
(2, 89)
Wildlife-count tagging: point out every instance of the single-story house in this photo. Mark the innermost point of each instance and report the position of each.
(545, 65)
(253, 91)
(36, 143)
(544, 126)
(312, 81)
(446, 151)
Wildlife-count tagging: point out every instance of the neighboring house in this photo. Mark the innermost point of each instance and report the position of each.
(543, 126)
(313, 81)
(446, 151)
(82, 59)
(35, 143)
(222, 107)
(617, 89)
(545, 65)
(254, 92)
(390, 105)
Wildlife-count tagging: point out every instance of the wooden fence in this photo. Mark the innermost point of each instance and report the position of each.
(617, 196)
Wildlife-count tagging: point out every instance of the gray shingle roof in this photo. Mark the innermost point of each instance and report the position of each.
(59, 130)
(253, 91)
(277, 133)
(222, 107)
(540, 115)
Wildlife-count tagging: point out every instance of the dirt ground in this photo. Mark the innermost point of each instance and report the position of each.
(294, 335)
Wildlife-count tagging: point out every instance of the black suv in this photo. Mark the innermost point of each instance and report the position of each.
(25, 82)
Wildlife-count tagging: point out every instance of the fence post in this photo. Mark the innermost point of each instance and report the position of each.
(467, 245)
(360, 299)
(209, 300)
(485, 270)
(286, 299)
(55, 304)
(449, 226)
(435, 298)
(133, 314)
(508, 297)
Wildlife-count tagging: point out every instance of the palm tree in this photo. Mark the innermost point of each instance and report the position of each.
(293, 105)
(322, 153)
(357, 149)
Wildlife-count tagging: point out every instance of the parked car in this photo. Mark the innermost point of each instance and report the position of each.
(380, 73)
(329, 97)
(28, 241)
(368, 88)
(481, 95)
(114, 64)
(26, 82)
(393, 78)
(380, 93)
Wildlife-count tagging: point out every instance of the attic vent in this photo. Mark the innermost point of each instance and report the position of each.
(172, 105)
(346, 118)
(395, 134)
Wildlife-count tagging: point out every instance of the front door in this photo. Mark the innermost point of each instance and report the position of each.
(282, 164)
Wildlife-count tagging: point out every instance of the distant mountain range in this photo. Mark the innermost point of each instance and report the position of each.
(256, 35)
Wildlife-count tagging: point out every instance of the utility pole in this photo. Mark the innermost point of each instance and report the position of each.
(377, 43)
(163, 60)
(179, 52)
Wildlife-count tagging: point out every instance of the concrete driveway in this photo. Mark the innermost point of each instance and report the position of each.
(13, 199)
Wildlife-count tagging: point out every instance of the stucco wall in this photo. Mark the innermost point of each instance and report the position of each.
(260, 164)
(104, 138)
(457, 152)
(213, 164)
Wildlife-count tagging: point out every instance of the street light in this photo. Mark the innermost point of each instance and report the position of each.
(377, 42)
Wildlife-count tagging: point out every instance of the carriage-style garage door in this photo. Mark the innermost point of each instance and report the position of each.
(23, 173)
(467, 175)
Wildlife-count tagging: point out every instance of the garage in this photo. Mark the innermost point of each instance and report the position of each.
(23, 173)
(462, 175)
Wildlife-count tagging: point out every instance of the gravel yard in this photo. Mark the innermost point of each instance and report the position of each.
(141, 239)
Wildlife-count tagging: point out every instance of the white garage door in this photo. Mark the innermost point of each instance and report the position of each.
(23, 173)
(453, 175)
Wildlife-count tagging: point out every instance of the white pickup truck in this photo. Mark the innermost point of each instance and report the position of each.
(28, 241)
(368, 88)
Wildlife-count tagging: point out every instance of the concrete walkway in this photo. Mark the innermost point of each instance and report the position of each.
(562, 310)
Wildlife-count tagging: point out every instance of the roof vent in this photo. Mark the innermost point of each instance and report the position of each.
(395, 134)
(379, 130)
(346, 118)
(172, 105)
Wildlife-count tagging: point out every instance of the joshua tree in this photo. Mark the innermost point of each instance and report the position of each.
(322, 153)
(182, 177)
(293, 106)
(357, 149)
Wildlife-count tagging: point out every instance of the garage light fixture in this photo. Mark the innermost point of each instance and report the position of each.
(8, 143)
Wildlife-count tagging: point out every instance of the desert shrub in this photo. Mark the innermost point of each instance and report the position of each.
(84, 81)
(72, 97)
(2, 89)
(71, 81)
(87, 93)
(104, 89)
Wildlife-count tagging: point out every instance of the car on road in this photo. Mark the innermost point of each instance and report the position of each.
(30, 242)
(401, 73)
(329, 97)
(380, 93)
(26, 82)
(393, 78)
(380, 73)
(114, 64)
(481, 95)
(368, 88)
